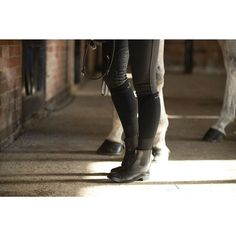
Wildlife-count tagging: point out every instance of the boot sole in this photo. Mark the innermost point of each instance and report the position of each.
(141, 177)
(114, 171)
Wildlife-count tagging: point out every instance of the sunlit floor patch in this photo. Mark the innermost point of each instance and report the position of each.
(198, 170)
(203, 176)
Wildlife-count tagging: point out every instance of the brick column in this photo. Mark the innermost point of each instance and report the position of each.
(56, 68)
(10, 89)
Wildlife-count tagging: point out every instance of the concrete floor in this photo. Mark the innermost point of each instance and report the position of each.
(56, 155)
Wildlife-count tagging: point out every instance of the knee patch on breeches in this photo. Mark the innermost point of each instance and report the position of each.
(113, 82)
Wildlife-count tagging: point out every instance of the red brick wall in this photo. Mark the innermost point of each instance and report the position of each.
(56, 67)
(10, 88)
(59, 59)
(207, 56)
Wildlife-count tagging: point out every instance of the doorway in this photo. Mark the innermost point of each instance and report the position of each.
(34, 73)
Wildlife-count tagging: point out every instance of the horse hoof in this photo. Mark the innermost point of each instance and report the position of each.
(213, 135)
(110, 148)
(160, 154)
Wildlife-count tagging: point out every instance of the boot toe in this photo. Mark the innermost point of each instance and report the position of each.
(117, 177)
(122, 177)
(116, 169)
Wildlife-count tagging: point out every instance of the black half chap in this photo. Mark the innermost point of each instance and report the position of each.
(143, 61)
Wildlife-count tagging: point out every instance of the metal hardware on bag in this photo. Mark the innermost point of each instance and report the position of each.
(93, 46)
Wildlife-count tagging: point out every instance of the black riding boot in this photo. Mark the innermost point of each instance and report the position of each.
(130, 147)
(136, 168)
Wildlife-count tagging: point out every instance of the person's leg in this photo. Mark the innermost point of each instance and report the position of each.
(122, 94)
(143, 59)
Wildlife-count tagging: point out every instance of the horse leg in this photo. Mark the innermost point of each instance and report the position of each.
(227, 115)
(113, 144)
(160, 150)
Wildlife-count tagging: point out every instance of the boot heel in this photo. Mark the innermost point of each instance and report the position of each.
(145, 177)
